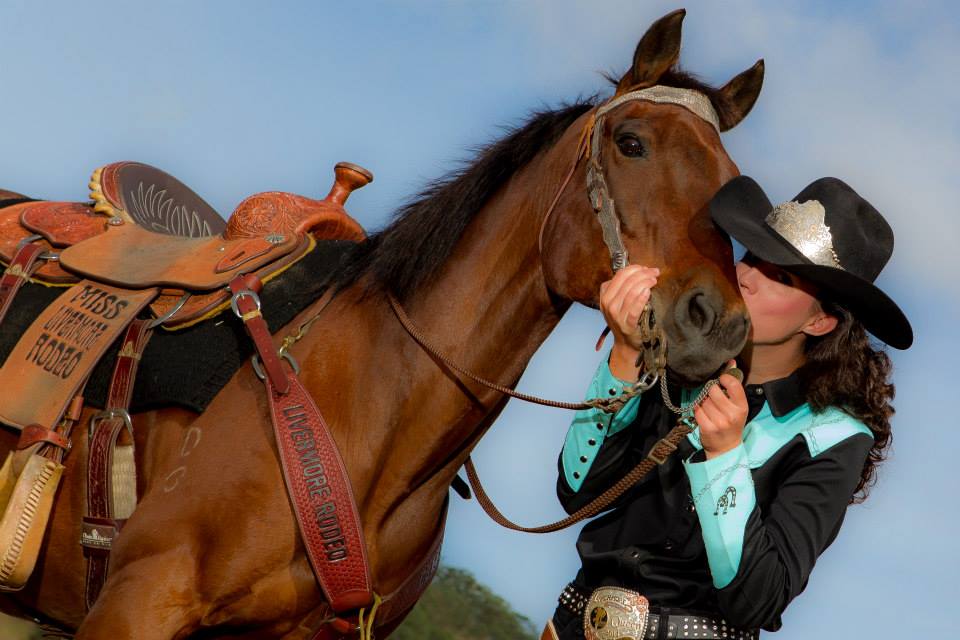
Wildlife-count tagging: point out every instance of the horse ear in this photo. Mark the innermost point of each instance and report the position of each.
(739, 95)
(657, 51)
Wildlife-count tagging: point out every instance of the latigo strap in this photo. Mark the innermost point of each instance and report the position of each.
(24, 263)
(103, 520)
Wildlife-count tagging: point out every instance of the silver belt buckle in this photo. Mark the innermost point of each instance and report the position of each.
(615, 614)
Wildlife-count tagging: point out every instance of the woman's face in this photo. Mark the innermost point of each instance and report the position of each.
(781, 305)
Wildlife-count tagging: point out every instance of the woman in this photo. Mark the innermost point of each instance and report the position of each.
(719, 539)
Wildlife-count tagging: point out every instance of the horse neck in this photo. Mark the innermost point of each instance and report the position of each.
(488, 309)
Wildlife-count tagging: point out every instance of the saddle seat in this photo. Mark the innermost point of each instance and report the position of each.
(147, 229)
(144, 195)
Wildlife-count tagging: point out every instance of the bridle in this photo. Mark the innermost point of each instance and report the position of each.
(654, 353)
(654, 339)
(652, 336)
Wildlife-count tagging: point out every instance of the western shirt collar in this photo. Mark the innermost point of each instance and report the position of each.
(783, 395)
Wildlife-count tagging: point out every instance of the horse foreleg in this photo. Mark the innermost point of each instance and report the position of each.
(152, 598)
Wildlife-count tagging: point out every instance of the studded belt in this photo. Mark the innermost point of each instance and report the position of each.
(663, 626)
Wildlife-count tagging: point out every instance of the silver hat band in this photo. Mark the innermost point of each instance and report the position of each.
(802, 225)
(688, 98)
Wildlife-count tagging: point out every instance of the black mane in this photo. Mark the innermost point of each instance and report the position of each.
(402, 256)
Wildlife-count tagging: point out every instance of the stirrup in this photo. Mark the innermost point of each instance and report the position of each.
(26, 500)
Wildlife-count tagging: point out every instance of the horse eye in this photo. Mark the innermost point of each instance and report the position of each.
(630, 146)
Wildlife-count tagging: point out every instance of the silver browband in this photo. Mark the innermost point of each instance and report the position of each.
(597, 189)
(688, 98)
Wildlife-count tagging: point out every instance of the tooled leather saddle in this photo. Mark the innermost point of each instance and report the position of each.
(145, 228)
(149, 242)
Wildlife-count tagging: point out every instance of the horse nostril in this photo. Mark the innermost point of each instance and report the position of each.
(700, 314)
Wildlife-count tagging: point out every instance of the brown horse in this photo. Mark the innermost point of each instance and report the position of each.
(213, 550)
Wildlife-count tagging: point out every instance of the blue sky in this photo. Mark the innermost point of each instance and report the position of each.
(238, 97)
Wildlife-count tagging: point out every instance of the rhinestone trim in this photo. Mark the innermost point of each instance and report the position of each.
(692, 100)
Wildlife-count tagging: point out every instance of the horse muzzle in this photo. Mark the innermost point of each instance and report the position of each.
(702, 334)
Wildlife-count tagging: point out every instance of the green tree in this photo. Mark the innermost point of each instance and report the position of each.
(457, 607)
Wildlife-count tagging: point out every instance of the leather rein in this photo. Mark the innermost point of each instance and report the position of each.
(654, 339)
(349, 588)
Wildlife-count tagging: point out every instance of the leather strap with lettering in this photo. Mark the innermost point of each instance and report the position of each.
(401, 599)
(313, 471)
(322, 497)
(23, 264)
(247, 307)
(54, 357)
(100, 526)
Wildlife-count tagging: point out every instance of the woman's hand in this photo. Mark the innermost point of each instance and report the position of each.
(722, 415)
(622, 299)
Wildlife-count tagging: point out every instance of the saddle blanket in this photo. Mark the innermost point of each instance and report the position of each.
(188, 367)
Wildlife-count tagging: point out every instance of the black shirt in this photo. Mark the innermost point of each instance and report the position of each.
(652, 541)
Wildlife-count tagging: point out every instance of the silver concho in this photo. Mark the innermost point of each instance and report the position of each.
(615, 614)
(802, 225)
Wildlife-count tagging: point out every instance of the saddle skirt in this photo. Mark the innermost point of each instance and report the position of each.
(87, 345)
(146, 231)
(188, 367)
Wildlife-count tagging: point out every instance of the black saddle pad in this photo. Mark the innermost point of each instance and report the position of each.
(187, 368)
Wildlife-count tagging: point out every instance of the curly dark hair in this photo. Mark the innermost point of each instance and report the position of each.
(845, 370)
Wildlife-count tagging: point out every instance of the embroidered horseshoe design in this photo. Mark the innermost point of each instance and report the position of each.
(727, 501)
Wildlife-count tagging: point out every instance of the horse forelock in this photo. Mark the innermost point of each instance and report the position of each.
(423, 233)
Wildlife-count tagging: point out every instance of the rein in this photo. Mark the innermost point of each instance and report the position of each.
(607, 405)
(654, 339)
(657, 455)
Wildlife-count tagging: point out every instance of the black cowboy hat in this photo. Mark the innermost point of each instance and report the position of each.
(827, 235)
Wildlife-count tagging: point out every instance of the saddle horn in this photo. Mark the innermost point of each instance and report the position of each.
(349, 177)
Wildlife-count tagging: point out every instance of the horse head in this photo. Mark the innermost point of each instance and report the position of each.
(656, 146)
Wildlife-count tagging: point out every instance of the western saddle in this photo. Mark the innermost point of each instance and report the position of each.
(150, 242)
(145, 228)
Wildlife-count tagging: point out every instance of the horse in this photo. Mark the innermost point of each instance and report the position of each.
(213, 550)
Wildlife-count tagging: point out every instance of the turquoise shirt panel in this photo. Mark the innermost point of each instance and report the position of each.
(723, 492)
(766, 434)
(591, 426)
(714, 484)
